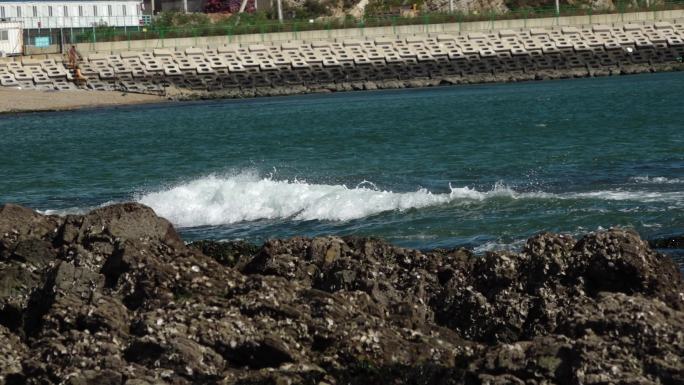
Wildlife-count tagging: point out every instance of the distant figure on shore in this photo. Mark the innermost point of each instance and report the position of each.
(74, 57)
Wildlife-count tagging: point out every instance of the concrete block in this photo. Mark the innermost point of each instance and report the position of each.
(487, 52)
(22, 74)
(290, 46)
(204, 68)
(539, 31)
(632, 27)
(331, 62)
(257, 48)
(362, 60)
(507, 33)
(172, 70)
(612, 44)
(97, 57)
(236, 67)
(476, 36)
(518, 51)
(106, 74)
(139, 72)
(267, 65)
(8, 80)
(190, 51)
(249, 61)
(384, 41)
(161, 52)
(570, 30)
(352, 43)
(153, 66)
(655, 37)
(675, 41)
(320, 44)
(41, 78)
(601, 28)
(663, 25)
(282, 60)
(55, 71)
(549, 47)
(392, 57)
(185, 63)
(130, 55)
(581, 46)
(374, 54)
(299, 63)
(230, 48)
(217, 62)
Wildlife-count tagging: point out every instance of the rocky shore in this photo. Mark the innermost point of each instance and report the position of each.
(116, 297)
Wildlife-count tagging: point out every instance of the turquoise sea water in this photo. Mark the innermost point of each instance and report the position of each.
(481, 166)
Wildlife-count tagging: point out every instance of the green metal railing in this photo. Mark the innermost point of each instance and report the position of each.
(230, 28)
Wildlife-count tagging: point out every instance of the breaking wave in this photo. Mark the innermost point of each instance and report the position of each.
(218, 200)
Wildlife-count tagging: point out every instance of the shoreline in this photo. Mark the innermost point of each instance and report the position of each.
(20, 101)
(26, 101)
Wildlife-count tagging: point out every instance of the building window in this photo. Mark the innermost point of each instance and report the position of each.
(50, 10)
(94, 10)
(19, 11)
(66, 11)
(123, 9)
(109, 10)
(35, 11)
(80, 10)
(4, 35)
(2, 12)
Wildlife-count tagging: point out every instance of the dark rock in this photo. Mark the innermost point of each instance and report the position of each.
(115, 297)
(226, 253)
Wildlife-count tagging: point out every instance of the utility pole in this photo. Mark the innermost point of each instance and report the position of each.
(280, 11)
(185, 6)
(557, 8)
(451, 6)
(242, 6)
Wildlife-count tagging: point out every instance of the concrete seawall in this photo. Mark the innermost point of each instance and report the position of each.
(372, 32)
(278, 68)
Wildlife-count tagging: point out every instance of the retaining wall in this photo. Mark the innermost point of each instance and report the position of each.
(405, 30)
(278, 68)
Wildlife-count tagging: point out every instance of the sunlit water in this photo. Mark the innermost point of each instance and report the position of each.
(478, 166)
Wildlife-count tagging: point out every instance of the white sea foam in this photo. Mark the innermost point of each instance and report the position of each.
(217, 200)
(513, 246)
(74, 210)
(656, 180)
(625, 195)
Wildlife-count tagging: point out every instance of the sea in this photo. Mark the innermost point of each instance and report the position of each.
(477, 166)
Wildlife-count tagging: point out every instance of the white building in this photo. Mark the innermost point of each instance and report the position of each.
(10, 38)
(48, 14)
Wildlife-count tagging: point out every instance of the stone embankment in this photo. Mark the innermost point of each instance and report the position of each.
(115, 297)
(382, 62)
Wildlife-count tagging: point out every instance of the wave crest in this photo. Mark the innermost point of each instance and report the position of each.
(215, 200)
(219, 200)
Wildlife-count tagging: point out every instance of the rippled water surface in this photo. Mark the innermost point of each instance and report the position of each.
(481, 166)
